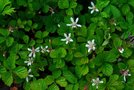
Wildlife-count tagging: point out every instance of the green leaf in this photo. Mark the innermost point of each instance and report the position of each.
(130, 17)
(131, 2)
(25, 38)
(122, 65)
(107, 69)
(127, 52)
(81, 70)
(38, 34)
(69, 87)
(125, 9)
(7, 78)
(9, 41)
(8, 10)
(78, 54)
(49, 80)
(102, 4)
(4, 32)
(113, 78)
(80, 51)
(53, 87)
(3, 4)
(45, 34)
(69, 12)
(115, 11)
(2, 39)
(38, 85)
(73, 4)
(45, 8)
(21, 72)
(21, 2)
(59, 63)
(56, 73)
(2, 69)
(114, 84)
(117, 41)
(69, 76)
(63, 4)
(5, 7)
(81, 61)
(10, 62)
(58, 53)
(131, 62)
(61, 81)
(111, 55)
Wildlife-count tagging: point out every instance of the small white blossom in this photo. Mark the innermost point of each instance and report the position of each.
(43, 50)
(93, 8)
(29, 61)
(67, 38)
(90, 45)
(121, 50)
(125, 73)
(74, 23)
(29, 75)
(33, 51)
(96, 82)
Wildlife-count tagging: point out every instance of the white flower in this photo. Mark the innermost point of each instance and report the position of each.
(33, 51)
(29, 75)
(29, 61)
(74, 23)
(67, 38)
(125, 73)
(121, 50)
(93, 8)
(43, 50)
(95, 82)
(90, 45)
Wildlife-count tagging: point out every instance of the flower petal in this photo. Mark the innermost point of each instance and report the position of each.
(92, 4)
(30, 55)
(97, 10)
(93, 84)
(124, 78)
(92, 11)
(69, 24)
(90, 7)
(67, 42)
(63, 39)
(65, 34)
(77, 19)
(89, 49)
(101, 82)
(29, 49)
(30, 75)
(72, 20)
(46, 47)
(27, 80)
(78, 25)
(37, 49)
(69, 35)
(129, 74)
(34, 55)
(87, 45)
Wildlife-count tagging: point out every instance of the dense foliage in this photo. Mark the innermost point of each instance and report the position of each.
(67, 44)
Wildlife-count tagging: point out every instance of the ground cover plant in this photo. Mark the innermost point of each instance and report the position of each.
(67, 44)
